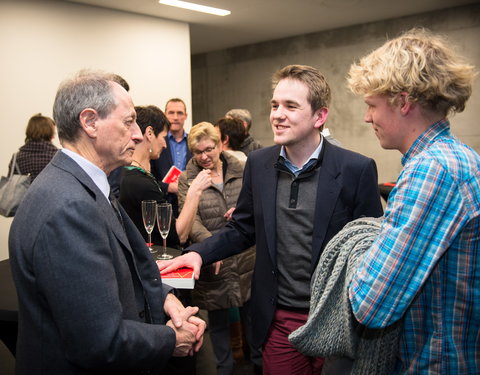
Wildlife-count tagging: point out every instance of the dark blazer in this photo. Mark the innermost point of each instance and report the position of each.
(90, 295)
(347, 189)
(160, 167)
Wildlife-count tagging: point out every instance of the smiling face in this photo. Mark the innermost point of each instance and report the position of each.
(118, 133)
(294, 124)
(386, 122)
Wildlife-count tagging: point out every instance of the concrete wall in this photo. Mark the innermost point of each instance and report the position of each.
(240, 78)
(43, 42)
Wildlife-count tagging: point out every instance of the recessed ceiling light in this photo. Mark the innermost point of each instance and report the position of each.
(195, 7)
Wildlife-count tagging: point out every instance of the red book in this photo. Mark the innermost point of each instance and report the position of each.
(181, 279)
(172, 175)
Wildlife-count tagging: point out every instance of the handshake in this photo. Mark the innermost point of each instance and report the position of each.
(188, 328)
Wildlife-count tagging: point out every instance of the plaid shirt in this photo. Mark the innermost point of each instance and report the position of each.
(425, 264)
(33, 157)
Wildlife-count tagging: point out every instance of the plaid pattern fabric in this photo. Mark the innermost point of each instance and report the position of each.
(33, 157)
(425, 264)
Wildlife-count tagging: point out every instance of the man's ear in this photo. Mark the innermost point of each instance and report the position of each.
(404, 104)
(320, 117)
(88, 120)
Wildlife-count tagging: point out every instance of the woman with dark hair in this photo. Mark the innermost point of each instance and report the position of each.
(38, 149)
(138, 183)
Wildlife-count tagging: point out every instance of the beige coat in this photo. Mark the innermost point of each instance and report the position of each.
(231, 287)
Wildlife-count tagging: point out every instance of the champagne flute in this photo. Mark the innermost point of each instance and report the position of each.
(164, 219)
(149, 215)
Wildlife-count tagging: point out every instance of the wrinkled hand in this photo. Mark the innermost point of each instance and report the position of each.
(191, 259)
(202, 181)
(189, 329)
(184, 338)
(229, 213)
(173, 187)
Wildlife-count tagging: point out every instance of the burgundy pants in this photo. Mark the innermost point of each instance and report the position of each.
(279, 356)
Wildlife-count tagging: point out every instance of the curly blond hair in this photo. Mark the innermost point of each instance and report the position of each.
(419, 63)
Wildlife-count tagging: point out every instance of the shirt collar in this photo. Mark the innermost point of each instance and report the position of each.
(437, 129)
(312, 159)
(170, 136)
(98, 176)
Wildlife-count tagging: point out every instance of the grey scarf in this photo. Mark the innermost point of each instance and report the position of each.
(331, 329)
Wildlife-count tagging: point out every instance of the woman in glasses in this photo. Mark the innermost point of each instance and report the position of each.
(224, 284)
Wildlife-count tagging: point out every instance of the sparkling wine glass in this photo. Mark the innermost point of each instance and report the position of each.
(164, 219)
(149, 215)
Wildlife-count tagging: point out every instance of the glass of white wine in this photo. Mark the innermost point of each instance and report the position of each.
(164, 220)
(149, 215)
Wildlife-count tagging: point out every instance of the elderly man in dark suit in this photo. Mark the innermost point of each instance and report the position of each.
(90, 295)
(296, 196)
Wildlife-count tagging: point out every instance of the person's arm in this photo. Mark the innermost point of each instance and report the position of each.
(423, 216)
(81, 276)
(189, 197)
(239, 231)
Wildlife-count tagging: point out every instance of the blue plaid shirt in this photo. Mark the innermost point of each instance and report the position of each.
(425, 264)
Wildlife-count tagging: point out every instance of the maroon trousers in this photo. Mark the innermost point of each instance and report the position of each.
(279, 356)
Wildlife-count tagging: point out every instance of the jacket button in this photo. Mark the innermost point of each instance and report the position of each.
(141, 314)
(272, 300)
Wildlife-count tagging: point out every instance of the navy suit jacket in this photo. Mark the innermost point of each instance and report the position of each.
(160, 167)
(347, 189)
(90, 295)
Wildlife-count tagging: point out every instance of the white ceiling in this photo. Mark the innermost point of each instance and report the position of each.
(254, 21)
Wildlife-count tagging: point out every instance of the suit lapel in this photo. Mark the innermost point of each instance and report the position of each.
(268, 188)
(61, 160)
(328, 191)
(168, 150)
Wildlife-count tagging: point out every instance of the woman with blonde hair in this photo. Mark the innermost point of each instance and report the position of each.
(224, 284)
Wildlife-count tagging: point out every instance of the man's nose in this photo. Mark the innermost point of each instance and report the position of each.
(368, 116)
(137, 135)
(278, 112)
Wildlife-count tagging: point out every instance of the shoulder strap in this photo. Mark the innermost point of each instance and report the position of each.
(14, 166)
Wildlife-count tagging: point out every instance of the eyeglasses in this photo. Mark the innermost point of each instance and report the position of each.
(206, 151)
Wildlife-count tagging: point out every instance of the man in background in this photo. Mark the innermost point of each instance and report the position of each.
(91, 298)
(423, 268)
(249, 144)
(177, 152)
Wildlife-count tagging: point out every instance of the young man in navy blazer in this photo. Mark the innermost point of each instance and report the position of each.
(296, 196)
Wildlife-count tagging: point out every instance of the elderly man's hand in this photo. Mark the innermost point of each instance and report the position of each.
(185, 323)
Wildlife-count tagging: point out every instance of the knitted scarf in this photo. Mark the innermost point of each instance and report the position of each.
(331, 329)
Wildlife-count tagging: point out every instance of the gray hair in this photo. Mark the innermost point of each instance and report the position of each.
(87, 89)
(241, 114)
